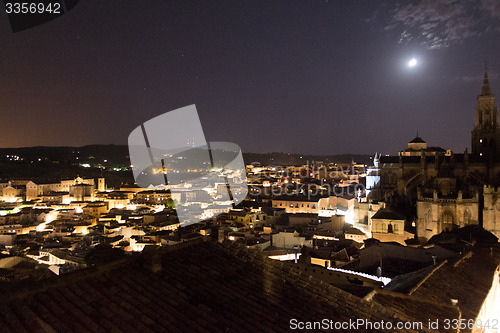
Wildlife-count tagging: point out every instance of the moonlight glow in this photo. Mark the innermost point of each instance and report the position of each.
(412, 62)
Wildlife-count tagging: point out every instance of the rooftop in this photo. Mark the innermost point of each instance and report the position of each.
(204, 287)
(417, 139)
(388, 214)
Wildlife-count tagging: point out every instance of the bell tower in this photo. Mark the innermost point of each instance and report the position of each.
(486, 132)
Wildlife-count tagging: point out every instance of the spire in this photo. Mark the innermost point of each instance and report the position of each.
(486, 91)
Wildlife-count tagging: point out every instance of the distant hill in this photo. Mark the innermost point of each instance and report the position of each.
(53, 163)
(118, 155)
(111, 161)
(298, 159)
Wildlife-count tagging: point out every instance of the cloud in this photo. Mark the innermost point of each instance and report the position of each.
(476, 78)
(441, 23)
(491, 6)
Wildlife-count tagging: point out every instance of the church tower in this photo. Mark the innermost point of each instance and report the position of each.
(486, 132)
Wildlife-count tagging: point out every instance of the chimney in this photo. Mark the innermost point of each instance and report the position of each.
(296, 248)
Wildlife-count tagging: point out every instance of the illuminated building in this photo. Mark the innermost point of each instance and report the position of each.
(448, 189)
(486, 133)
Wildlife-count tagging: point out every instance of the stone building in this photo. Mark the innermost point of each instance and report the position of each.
(486, 133)
(389, 226)
(491, 210)
(446, 190)
(438, 213)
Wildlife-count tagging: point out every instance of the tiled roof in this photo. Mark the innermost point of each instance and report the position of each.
(428, 149)
(418, 308)
(388, 214)
(460, 238)
(202, 287)
(238, 213)
(353, 231)
(417, 139)
(405, 282)
(341, 255)
(467, 280)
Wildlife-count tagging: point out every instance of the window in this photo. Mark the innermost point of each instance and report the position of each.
(445, 188)
(467, 216)
(447, 220)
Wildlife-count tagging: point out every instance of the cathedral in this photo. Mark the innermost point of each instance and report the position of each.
(440, 190)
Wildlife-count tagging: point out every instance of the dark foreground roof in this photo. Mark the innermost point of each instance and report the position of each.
(201, 287)
(461, 237)
(467, 280)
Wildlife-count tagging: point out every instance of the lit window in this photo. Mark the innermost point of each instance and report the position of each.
(447, 218)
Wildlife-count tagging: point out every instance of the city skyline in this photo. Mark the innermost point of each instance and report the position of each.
(319, 77)
(250, 166)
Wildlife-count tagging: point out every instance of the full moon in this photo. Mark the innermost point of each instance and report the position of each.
(412, 62)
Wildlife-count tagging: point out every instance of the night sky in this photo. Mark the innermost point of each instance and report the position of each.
(315, 77)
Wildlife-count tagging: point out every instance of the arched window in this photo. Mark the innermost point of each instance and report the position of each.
(445, 188)
(467, 216)
(389, 229)
(447, 220)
